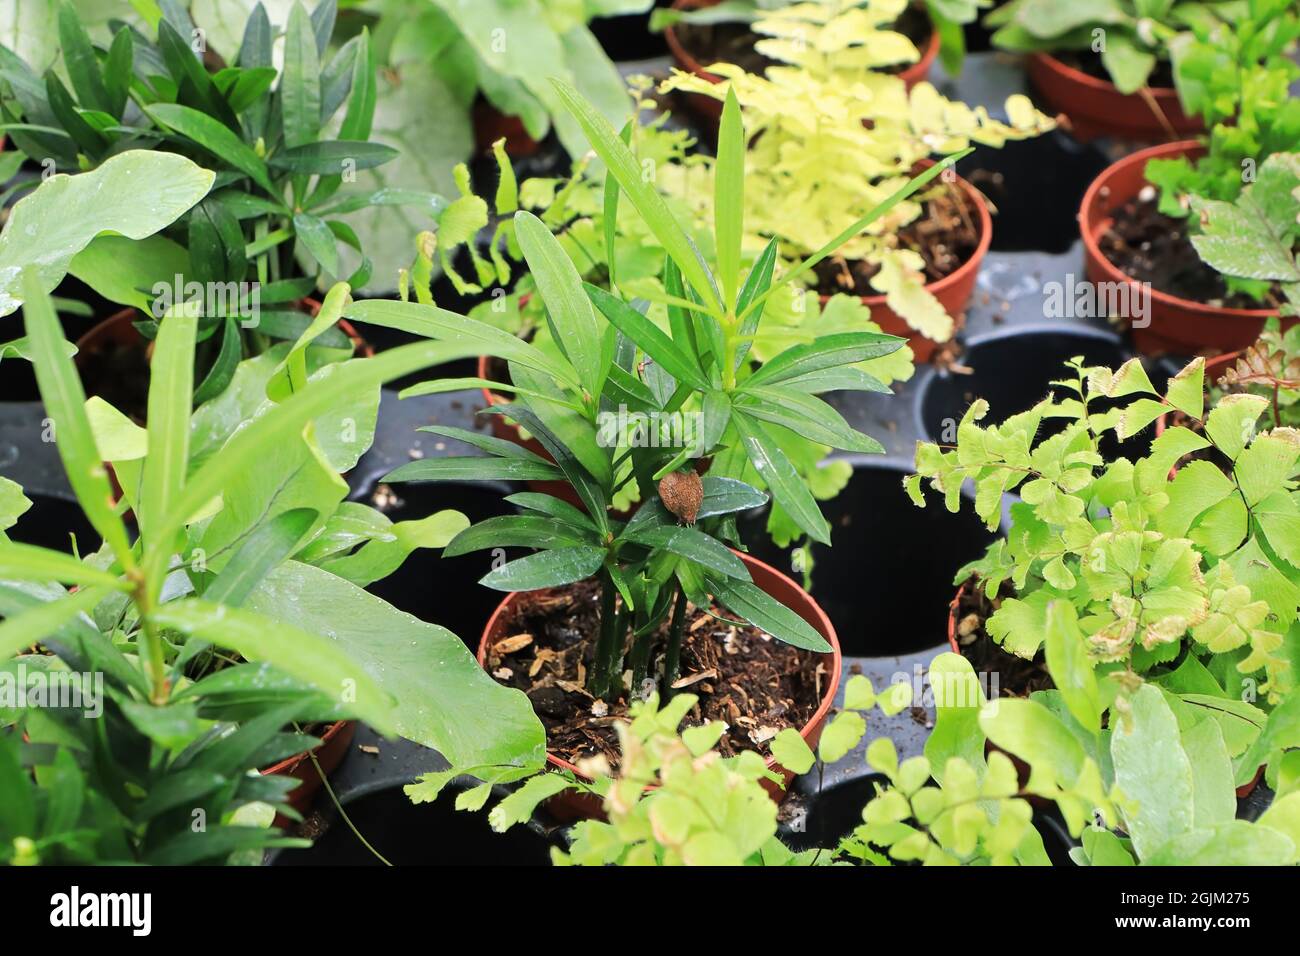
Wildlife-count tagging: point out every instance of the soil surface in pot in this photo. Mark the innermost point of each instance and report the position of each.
(754, 683)
(734, 42)
(1016, 676)
(1086, 61)
(946, 235)
(1149, 246)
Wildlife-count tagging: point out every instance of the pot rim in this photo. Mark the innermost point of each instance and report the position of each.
(1092, 210)
(289, 764)
(826, 628)
(973, 262)
(1096, 84)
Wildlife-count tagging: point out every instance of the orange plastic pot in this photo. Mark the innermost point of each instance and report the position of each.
(709, 108)
(953, 291)
(329, 753)
(570, 806)
(1096, 107)
(1181, 326)
(1022, 768)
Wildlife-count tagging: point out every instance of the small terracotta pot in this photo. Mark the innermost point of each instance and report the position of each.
(953, 291)
(711, 109)
(1176, 325)
(331, 750)
(1097, 108)
(490, 125)
(570, 806)
(1022, 768)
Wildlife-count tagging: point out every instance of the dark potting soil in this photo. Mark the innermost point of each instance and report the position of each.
(1016, 676)
(754, 683)
(946, 235)
(1086, 61)
(1149, 246)
(734, 42)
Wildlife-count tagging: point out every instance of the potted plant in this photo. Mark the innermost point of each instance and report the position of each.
(260, 244)
(52, 225)
(613, 408)
(1142, 217)
(1186, 582)
(1108, 67)
(811, 125)
(241, 511)
(891, 35)
(1154, 790)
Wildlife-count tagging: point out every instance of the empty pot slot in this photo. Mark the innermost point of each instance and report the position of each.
(886, 582)
(832, 813)
(411, 835)
(435, 589)
(18, 381)
(1012, 370)
(53, 522)
(1055, 169)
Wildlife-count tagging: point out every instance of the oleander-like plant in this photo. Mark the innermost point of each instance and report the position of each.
(612, 408)
(1184, 575)
(1132, 37)
(283, 141)
(238, 608)
(825, 148)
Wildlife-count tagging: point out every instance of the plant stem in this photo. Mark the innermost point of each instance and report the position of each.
(673, 652)
(153, 646)
(600, 676)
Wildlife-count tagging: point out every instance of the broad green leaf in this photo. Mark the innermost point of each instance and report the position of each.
(1153, 771)
(1070, 666)
(135, 194)
(444, 699)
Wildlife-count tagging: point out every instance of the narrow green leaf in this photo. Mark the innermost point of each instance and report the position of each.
(65, 403)
(546, 569)
(648, 337)
(212, 136)
(269, 546)
(21, 631)
(784, 481)
(360, 114)
(625, 168)
(572, 318)
(27, 562)
(300, 80)
(729, 196)
(171, 385)
(766, 613)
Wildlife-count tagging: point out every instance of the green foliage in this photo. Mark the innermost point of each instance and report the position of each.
(813, 119)
(1252, 240)
(619, 399)
(1270, 368)
(1132, 36)
(1235, 75)
(1186, 579)
(238, 610)
(281, 141)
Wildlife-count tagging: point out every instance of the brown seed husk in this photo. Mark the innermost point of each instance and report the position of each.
(682, 492)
